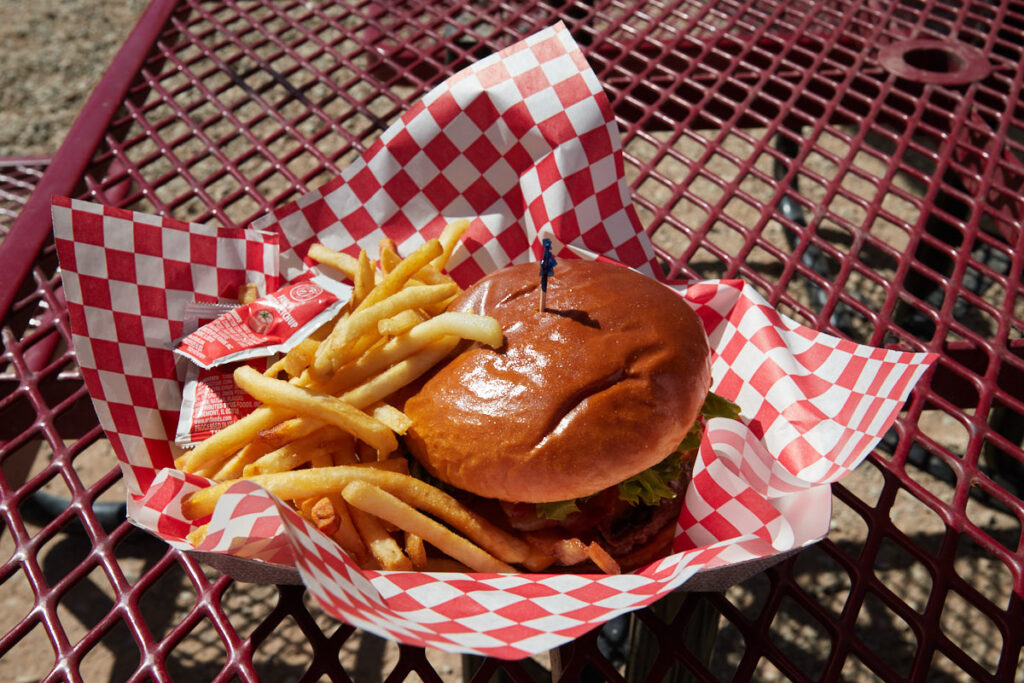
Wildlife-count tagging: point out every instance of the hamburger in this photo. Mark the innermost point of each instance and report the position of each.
(581, 428)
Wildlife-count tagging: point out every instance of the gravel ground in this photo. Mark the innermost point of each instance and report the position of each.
(54, 52)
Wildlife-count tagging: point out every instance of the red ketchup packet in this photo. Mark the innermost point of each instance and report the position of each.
(210, 401)
(275, 323)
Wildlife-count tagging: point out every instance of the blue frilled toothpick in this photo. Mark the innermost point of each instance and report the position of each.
(547, 267)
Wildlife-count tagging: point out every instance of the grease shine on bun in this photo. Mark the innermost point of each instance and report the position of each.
(602, 385)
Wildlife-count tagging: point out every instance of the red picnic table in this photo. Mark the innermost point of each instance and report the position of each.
(860, 163)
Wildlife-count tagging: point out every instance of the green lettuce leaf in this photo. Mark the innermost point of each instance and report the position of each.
(652, 485)
(558, 510)
(716, 406)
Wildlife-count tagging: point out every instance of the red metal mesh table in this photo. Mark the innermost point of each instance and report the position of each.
(860, 162)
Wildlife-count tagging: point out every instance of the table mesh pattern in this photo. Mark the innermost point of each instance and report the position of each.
(805, 147)
(18, 177)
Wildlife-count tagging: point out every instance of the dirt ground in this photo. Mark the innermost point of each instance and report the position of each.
(53, 53)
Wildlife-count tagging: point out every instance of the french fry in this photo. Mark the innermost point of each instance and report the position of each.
(326, 362)
(388, 258)
(343, 263)
(326, 480)
(380, 543)
(298, 358)
(299, 452)
(416, 550)
(292, 485)
(470, 326)
(197, 535)
(450, 237)
(400, 374)
(366, 318)
(346, 534)
(248, 293)
(399, 324)
(235, 465)
(364, 279)
(602, 559)
(380, 503)
(288, 431)
(229, 440)
(406, 269)
(394, 418)
(325, 407)
(324, 516)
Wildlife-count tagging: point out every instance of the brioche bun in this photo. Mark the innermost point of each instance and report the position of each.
(600, 386)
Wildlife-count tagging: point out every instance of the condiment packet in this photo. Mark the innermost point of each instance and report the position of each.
(272, 324)
(210, 401)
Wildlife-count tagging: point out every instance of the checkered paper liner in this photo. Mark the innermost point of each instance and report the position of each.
(127, 277)
(522, 143)
(814, 406)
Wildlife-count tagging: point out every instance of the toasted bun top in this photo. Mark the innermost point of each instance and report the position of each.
(602, 385)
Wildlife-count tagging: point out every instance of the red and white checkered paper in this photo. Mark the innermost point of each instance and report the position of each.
(524, 144)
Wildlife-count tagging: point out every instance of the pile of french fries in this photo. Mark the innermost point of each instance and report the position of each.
(325, 436)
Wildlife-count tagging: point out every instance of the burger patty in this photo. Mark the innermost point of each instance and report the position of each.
(616, 525)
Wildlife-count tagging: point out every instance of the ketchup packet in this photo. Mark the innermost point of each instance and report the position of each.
(275, 323)
(210, 401)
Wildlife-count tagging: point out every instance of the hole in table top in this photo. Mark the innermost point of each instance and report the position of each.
(943, 666)
(285, 653)
(936, 59)
(905, 576)
(856, 670)
(199, 656)
(742, 211)
(971, 631)
(366, 656)
(765, 263)
(655, 191)
(764, 670)
(726, 238)
(31, 658)
(18, 597)
(975, 317)
(749, 598)
(85, 603)
(137, 552)
(706, 265)
(665, 236)
(945, 430)
(886, 634)
(823, 579)
(995, 521)
(918, 523)
(707, 189)
(672, 168)
(984, 572)
(800, 636)
(244, 210)
(757, 188)
(690, 214)
(203, 168)
(821, 165)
